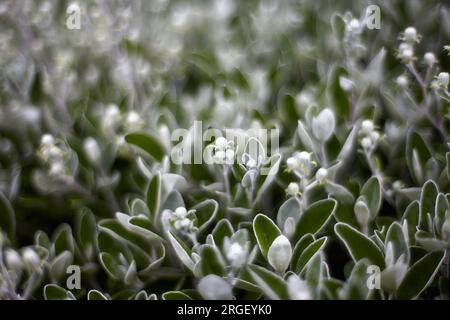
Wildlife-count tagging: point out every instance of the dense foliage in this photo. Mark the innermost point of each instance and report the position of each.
(353, 204)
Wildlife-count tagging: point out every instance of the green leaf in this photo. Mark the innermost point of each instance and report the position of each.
(372, 193)
(427, 203)
(309, 253)
(315, 218)
(175, 295)
(417, 155)
(205, 212)
(420, 276)
(181, 250)
(301, 245)
(110, 266)
(212, 261)
(154, 196)
(222, 230)
(7, 217)
(396, 237)
(63, 239)
(59, 265)
(338, 96)
(290, 208)
(265, 232)
(411, 216)
(358, 245)
(271, 284)
(148, 143)
(86, 232)
(55, 292)
(96, 295)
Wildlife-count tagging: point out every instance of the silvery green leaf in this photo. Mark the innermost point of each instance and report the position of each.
(175, 295)
(358, 245)
(420, 275)
(181, 250)
(289, 209)
(271, 284)
(372, 193)
(323, 125)
(147, 142)
(427, 203)
(304, 136)
(315, 217)
(96, 295)
(59, 265)
(265, 231)
(55, 292)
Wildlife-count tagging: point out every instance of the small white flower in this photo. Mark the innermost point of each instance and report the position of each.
(346, 84)
(367, 127)
(323, 125)
(30, 258)
(321, 174)
(280, 254)
(293, 189)
(292, 163)
(221, 143)
(374, 136)
(362, 213)
(429, 58)
(180, 213)
(366, 143)
(354, 25)
(410, 34)
(47, 139)
(133, 120)
(407, 55)
(402, 81)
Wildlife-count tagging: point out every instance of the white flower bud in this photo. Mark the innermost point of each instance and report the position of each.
(47, 139)
(367, 127)
(429, 58)
(402, 81)
(410, 34)
(374, 136)
(180, 212)
(323, 125)
(280, 254)
(346, 84)
(407, 55)
(292, 163)
(366, 143)
(354, 25)
(12, 259)
(443, 79)
(293, 189)
(31, 258)
(321, 174)
(133, 119)
(92, 150)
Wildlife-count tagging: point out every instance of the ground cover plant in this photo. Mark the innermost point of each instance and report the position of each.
(224, 149)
